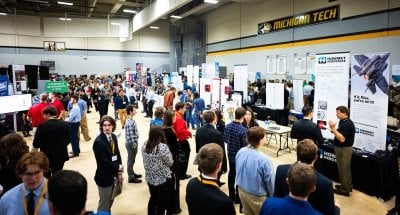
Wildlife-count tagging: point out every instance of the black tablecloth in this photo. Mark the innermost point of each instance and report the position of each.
(371, 175)
(279, 116)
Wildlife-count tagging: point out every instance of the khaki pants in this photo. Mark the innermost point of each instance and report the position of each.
(84, 128)
(343, 160)
(122, 114)
(251, 203)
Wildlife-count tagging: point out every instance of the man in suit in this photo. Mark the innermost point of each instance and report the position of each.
(109, 162)
(203, 195)
(209, 134)
(305, 128)
(52, 138)
(322, 198)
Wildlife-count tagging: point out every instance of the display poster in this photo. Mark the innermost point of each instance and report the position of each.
(396, 75)
(4, 85)
(299, 64)
(240, 73)
(224, 92)
(20, 78)
(310, 62)
(298, 95)
(229, 111)
(215, 93)
(205, 90)
(196, 76)
(56, 86)
(281, 64)
(189, 74)
(331, 88)
(275, 96)
(130, 76)
(271, 65)
(369, 100)
(141, 80)
(15, 103)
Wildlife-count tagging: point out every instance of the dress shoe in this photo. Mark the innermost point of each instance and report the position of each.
(183, 177)
(339, 187)
(134, 180)
(137, 175)
(341, 192)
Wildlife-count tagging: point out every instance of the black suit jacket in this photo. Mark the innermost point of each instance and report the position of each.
(107, 169)
(321, 199)
(304, 128)
(203, 196)
(208, 134)
(53, 137)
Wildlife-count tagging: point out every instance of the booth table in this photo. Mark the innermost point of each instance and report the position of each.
(264, 113)
(371, 175)
(272, 130)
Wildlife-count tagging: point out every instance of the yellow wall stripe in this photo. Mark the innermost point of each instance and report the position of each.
(311, 42)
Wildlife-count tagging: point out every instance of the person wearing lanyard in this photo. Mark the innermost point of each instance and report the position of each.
(120, 104)
(28, 197)
(109, 162)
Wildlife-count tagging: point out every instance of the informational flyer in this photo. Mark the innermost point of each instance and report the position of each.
(310, 61)
(271, 65)
(281, 64)
(299, 64)
(331, 88)
(369, 99)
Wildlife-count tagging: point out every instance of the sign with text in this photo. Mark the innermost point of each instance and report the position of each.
(308, 18)
(15, 103)
(56, 86)
(369, 100)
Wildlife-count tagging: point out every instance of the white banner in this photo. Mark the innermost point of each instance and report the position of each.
(271, 65)
(196, 77)
(281, 65)
(369, 100)
(310, 61)
(299, 64)
(215, 93)
(275, 96)
(298, 95)
(240, 79)
(225, 89)
(331, 88)
(189, 75)
(205, 90)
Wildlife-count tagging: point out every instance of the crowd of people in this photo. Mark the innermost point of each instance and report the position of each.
(252, 180)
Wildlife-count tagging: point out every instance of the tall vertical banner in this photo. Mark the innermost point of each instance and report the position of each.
(215, 93)
(240, 73)
(225, 90)
(189, 75)
(369, 99)
(331, 88)
(196, 76)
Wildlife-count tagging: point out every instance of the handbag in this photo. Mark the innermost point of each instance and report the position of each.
(116, 189)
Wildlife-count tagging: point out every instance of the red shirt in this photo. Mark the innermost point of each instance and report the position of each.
(58, 105)
(36, 114)
(180, 128)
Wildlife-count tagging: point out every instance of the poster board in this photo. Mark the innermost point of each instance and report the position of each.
(215, 94)
(20, 83)
(331, 88)
(300, 64)
(281, 65)
(298, 95)
(224, 92)
(275, 96)
(271, 65)
(205, 90)
(310, 63)
(15, 103)
(240, 73)
(369, 100)
(189, 75)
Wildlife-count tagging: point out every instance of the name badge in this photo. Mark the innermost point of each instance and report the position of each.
(124, 103)
(114, 158)
(99, 98)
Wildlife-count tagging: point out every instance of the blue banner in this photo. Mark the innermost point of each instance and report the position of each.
(4, 85)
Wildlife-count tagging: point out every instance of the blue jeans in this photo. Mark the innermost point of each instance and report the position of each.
(189, 118)
(74, 127)
(198, 120)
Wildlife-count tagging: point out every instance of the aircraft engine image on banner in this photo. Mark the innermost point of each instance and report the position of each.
(331, 88)
(369, 100)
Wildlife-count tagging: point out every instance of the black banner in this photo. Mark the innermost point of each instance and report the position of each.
(307, 18)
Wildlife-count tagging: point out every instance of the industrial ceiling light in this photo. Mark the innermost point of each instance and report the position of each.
(176, 17)
(211, 1)
(65, 3)
(116, 23)
(129, 11)
(3, 14)
(154, 27)
(65, 19)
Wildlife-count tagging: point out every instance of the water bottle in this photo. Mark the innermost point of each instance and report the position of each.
(390, 147)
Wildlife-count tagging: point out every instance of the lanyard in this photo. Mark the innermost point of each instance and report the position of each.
(38, 204)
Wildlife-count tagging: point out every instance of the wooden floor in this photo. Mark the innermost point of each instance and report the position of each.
(134, 197)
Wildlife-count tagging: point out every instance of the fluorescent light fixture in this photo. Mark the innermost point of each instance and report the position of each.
(176, 17)
(154, 27)
(65, 3)
(116, 23)
(211, 1)
(129, 11)
(38, 1)
(65, 19)
(3, 14)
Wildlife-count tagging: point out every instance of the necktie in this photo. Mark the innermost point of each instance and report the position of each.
(31, 203)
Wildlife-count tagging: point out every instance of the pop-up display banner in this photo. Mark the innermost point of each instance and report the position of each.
(369, 100)
(11, 104)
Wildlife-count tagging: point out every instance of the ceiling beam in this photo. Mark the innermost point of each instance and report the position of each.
(92, 7)
(130, 4)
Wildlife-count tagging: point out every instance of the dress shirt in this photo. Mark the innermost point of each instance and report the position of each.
(11, 201)
(255, 172)
(235, 138)
(131, 132)
(82, 106)
(157, 164)
(74, 114)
